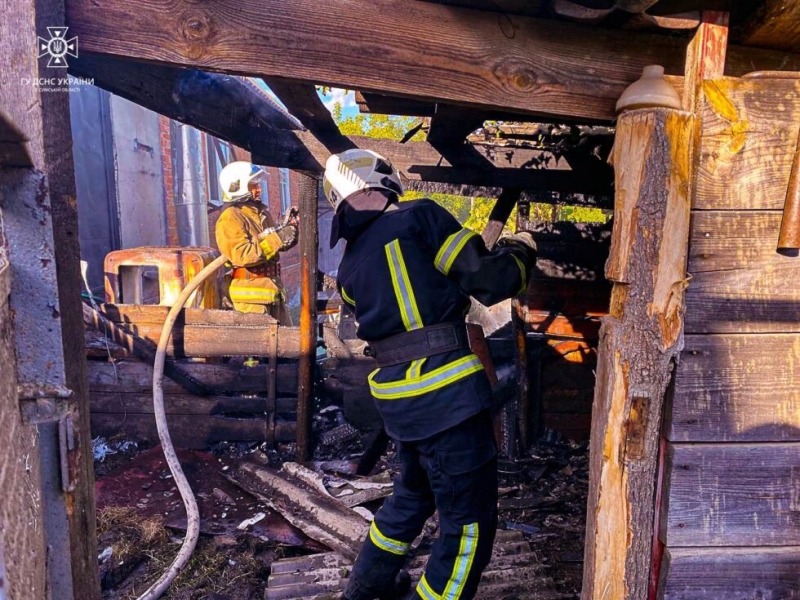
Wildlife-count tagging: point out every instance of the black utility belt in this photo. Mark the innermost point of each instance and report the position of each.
(419, 343)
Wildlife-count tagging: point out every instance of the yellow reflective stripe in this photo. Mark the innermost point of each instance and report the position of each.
(424, 589)
(387, 544)
(347, 298)
(254, 294)
(523, 274)
(463, 564)
(415, 370)
(436, 379)
(449, 251)
(402, 287)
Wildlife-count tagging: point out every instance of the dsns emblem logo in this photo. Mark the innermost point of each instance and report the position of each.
(58, 47)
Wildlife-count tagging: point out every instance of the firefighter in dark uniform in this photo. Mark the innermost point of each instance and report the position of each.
(408, 271)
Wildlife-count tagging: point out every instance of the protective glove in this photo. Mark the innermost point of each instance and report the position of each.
(292, 217)
(523, 240)
(288, 236)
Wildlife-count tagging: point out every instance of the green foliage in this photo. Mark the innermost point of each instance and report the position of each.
(472, 213)
(376, 126)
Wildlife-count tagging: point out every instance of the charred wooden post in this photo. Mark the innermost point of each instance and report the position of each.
(639, 341)
(309, 243)
(501, 211)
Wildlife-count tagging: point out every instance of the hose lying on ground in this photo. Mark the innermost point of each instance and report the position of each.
(192, 513)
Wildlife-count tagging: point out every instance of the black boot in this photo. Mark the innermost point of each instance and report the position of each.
(402, 585)
(357, 590)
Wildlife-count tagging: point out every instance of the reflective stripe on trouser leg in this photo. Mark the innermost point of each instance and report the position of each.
(463, 476)
(396, 524)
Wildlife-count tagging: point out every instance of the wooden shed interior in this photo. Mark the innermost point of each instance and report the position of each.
(680, 306)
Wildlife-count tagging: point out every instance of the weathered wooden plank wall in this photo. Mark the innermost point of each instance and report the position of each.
(733, 462)
(121, 401)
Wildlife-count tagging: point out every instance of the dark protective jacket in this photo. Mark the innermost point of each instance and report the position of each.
(415, 266)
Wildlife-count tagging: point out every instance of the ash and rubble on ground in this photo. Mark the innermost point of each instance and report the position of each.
(141, 518)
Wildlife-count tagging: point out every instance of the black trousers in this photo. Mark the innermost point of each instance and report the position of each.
(455, 472)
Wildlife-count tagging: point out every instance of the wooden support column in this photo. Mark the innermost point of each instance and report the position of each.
(46, 314)
(705, 57)
(638, 343)
(309, 243)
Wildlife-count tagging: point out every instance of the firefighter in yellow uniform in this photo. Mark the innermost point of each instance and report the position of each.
(255, 285)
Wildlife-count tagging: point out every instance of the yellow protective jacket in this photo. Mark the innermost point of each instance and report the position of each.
(237, 233)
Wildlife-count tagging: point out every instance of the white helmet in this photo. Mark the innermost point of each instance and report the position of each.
(234, 180)
(355, 170)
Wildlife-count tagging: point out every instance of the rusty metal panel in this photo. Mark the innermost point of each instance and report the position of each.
(172, 269)
(140, 180)
(95, 180)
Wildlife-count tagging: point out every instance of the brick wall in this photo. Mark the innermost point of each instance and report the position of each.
(169, 189)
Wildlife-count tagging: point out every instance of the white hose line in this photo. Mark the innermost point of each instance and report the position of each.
(192, 513)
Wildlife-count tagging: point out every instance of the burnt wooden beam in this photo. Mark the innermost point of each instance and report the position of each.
(451, 125)
(225, 107)
(501, 210)
(302, 100)
(393, 105)
(427, 51)
(207, 333)
(639, 341)
(775, 25)
(309, 250)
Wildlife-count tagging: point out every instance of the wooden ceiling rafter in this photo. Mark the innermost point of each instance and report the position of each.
(225, 107)
(303, 102)
(775, 26)
(431, 52)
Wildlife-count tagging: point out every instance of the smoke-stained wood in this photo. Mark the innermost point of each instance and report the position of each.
(739, 283)
(638, 342)
(191, 431)
(749, 137)
(416, 49)
(713, 573)
(302, 100)
(775, 25)
(225, 107)
(732, 495)
(736, 388)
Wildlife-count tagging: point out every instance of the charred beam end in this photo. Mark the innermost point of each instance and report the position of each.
(302, 100)
(501, 210)
(451, 125)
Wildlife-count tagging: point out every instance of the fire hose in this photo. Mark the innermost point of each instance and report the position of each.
(190, 503)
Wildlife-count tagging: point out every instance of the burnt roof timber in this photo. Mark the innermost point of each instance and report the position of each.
(450, 125)
(303, 102)
(225, 107)
(415, 49)
(775, 25)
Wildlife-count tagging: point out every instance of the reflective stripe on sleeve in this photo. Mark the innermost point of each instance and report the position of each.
(402, 287)
(449, 251)
(347, 298)
(436, 379)
(387, 544)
